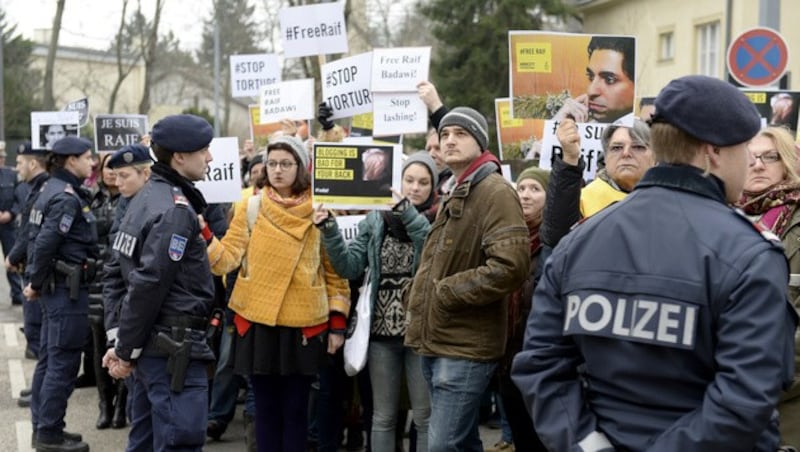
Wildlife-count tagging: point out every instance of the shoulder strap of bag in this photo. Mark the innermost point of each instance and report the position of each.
(252, 211)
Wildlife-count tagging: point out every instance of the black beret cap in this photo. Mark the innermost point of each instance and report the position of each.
(27, 149)
(709, 109)
(71, 146)
(131, 154)
(182, 133)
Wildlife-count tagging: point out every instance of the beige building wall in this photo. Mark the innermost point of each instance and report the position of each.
(651, 21)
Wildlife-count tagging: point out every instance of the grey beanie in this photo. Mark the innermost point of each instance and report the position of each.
(708, 109)
(424, 158)
(294, 144)
(471, 121)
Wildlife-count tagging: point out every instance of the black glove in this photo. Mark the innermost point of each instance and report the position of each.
(324, 114)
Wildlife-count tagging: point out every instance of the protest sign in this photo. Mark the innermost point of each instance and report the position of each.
(552, 75)
(259, 132)
(313, 30)
(82, 107)
(591, 146)
(293, 99)
(346, 85)
(516, 138)
(355, 176)
(779, 108)
(646, 106)
(398, 113)
(223, 181)
(47, 127)
(348, 226)
(112, 132)
(399, 69)
(361, 131)
(250, 72)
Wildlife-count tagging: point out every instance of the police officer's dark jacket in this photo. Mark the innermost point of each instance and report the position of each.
(159, 267)
(23, 246)
(8, 182)
(675, 309)
(62, 227)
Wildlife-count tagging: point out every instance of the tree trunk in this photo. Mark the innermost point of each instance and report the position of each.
(149, 54)
(49, 100)
(121, 74)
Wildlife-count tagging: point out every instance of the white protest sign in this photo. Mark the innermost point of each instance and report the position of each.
(250, 72)
(400, 68)
(398, 113)
(591, 146)
(47, 127)
(313, 30)
(223, 181)
(348, 226)
(293, 99)
(346, 85)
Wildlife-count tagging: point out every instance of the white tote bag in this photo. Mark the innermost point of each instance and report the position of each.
(357, 342)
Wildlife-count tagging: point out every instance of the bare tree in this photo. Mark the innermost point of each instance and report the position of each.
(149, 49)
(124, 68)
(49, 100)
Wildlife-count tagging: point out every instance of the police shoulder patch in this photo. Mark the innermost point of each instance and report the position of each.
(180, 200)
(177, 246)
(65, 223)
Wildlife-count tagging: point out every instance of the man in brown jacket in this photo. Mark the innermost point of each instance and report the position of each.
(476, 254)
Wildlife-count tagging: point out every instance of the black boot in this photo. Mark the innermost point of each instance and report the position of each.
(120, 404)
(106, 388)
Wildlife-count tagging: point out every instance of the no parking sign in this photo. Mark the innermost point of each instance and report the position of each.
(758, 57)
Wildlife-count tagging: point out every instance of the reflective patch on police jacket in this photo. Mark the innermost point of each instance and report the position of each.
(647, 320)
(65, 223)
(35, 217)
(124, 243)
(177, 245)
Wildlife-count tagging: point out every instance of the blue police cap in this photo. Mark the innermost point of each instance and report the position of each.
(71, 146)
(708, 109)
(27, 149)
(131, 154)
(182, 133)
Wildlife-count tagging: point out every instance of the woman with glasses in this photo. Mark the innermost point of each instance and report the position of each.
(771, 199)
(627, 156)
(290, 304)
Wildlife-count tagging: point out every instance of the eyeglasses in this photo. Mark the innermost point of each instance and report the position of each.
(284, 164)
(767, 157)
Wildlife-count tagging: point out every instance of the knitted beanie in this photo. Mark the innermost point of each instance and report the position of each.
(471, 121)
(294, 144)
(425, 159)
(538, 174)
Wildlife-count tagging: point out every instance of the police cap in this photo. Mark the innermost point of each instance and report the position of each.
(27, 149)
(182, 133)
(708, 109)
(132, 154)
(71, 146)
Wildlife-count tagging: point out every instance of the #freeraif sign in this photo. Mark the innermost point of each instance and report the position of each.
(223, 181)
(313, 30)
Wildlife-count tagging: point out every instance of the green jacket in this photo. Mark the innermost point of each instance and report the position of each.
(791, 245)
(477, 252)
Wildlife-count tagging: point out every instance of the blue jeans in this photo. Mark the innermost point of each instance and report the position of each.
(387, 361)
(226, 383)
(456, 387)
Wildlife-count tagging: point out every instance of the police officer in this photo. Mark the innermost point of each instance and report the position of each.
(64, 245)
(8, 223)
(160, 280)
(663, 323)
(31, 166)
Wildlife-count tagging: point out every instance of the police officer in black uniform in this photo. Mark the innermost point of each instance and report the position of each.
(60, 266)
(662, 323)
(159, 288)
(8, 224)
(32, 169)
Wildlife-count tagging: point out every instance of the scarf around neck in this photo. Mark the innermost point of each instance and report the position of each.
(774, 206)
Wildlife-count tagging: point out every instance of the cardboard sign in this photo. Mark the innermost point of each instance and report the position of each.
(399, 69)
(47, 127)
(313, 30)
(356, 176)
(591, 146)
(223, 182)
(399, 113)
(293, 99)
(250, 72)
(82, 107)
(112, 132)
(346, 85)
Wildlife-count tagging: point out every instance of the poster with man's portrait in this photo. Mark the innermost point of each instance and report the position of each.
(777, 108)
(47, 127)
(590, 78)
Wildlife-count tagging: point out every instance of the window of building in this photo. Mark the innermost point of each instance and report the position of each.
(707, 39)
(666, 46)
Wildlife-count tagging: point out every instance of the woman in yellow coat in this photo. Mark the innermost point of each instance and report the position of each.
(290, 304)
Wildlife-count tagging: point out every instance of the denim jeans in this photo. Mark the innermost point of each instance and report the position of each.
(456, 387)
(387, 360)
